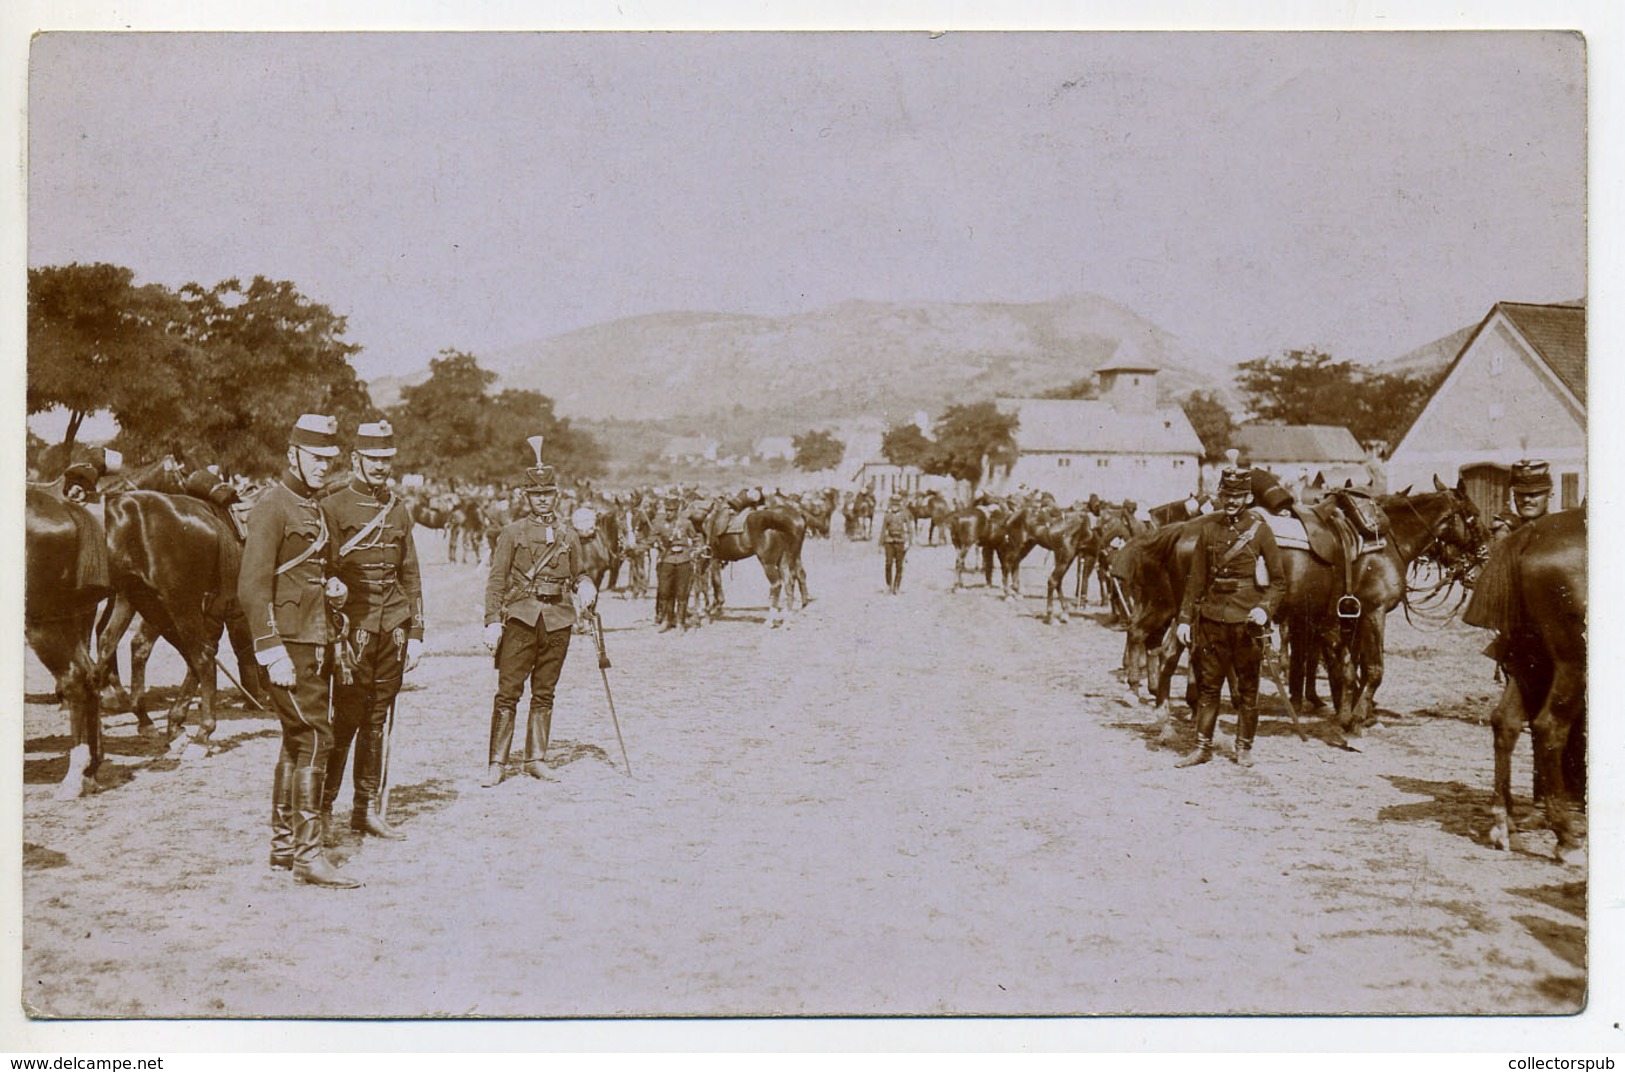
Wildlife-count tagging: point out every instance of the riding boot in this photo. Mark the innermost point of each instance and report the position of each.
(502, 716)
(537, 732)
(1207, 717)
(309, 863)
(1246, 727)
(364, 816)
(282, 815)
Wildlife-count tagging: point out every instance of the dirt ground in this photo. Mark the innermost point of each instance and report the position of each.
(925, 804)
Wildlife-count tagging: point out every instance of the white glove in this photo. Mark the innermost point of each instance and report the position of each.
(280, 671)
(1257, 616)
(586, 595)
(414, 652)
(493, 635)
(1182, 633)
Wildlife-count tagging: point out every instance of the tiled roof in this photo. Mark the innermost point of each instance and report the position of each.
(1066, 426)
(1264, 443)
(1558, 334)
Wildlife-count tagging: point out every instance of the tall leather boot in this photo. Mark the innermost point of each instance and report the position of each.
(309, 863)
(364, 816)
(337, 757)
(1246, 728)
(502, 716)
(282, 815)
(537, 733)
(1207, 717)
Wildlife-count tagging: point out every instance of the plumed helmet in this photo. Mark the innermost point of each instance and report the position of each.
(540, 477)
(1531, 476)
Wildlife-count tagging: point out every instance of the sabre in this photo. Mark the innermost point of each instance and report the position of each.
(246, 694)
(383, 762)
(603, 671)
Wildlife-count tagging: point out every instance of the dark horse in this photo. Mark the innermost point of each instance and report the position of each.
(1441, 525)
(1532, 592)
(972, 528)
(1068, 537)
(600, 543)
(174, 561)
(65, 577)
(774, 535)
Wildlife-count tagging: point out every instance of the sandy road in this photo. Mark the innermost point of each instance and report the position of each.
(931, 803)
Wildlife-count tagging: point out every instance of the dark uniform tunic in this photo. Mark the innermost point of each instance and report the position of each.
(676, 543)
(1221, 590)
(287, 611)
(896, 534)
(378, 563)
(536, 610)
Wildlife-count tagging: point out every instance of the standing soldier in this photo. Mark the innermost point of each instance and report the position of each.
(896, 537)
(284, 592)
(1531, 498)
(676, 541)
(1236, 583)
(537, 582)
(381, 623)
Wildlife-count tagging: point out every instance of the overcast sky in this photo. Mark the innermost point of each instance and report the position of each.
(1365, 193)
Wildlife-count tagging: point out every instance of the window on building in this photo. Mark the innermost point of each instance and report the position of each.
(1141, 463)
(1103, 463)
(1179, 463)
(1063, 463)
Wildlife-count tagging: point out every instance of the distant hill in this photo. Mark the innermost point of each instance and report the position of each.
(880, 359)
(1432, 358)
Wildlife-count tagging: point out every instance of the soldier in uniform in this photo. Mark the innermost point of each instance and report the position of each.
(1236, 583)
(1531, 498)
(381, 622)
(677, 542)
(896, 537)
(537, 583)
(284, 592)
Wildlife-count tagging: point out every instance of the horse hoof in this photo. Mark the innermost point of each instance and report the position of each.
(1499, 838)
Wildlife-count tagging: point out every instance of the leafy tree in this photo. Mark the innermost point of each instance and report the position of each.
(817, 450)
(452, 426)
(1308, 387)
(906, 444)
(1212, 421)
(96, 341)
(968, 434)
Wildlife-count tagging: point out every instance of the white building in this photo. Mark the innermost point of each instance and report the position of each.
(1123, 445)
(1516, 390)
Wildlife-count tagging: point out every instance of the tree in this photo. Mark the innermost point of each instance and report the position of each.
(817, 450)
(968, 435)
(906, 444)
(96, 341)
(452, 426)
(1308, 387)
(1212, 421)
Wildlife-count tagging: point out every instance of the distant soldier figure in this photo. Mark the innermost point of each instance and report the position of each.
(896, 537)
(381, 622)
(677, 543)
(1236, 582)
(537, 583)
(1531, 498)
(284, 592)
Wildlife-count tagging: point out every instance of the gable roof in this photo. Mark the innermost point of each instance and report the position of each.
(1558, 334)
(1053, 425)
(1262, 443)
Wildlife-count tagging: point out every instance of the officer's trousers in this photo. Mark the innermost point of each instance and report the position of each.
(895, 552)
(305, 710)
(526, 653)
(361, 712)
(672, 583)
(1220, 649)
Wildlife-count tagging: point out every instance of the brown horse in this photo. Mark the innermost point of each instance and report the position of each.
(174, 560)
(1442, 525)
(773, 535)
(1113, 530)
(973, 528)
(65, 576)
(1532, 591)
(1068, 537)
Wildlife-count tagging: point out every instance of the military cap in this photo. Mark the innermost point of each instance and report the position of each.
(317, 434)
(541, 476)
(1235, 481)
(375, 440)
(1531, 476)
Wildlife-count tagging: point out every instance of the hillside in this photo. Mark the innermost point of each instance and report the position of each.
(886, 360)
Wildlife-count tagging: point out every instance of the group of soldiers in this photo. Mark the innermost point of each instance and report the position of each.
(331, 587)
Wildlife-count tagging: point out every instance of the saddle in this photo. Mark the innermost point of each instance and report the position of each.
(736, 523)
(91, 569)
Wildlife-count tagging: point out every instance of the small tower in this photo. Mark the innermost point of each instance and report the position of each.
(1129, 385)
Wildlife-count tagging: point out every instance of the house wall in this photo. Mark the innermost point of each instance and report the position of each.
(1499, 404)
(1148, 479)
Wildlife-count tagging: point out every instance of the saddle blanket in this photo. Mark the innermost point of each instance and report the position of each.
(1290, 532)
(736, 524)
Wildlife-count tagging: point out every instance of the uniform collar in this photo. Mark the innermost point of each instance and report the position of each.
(362, 488)
(292, 481)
